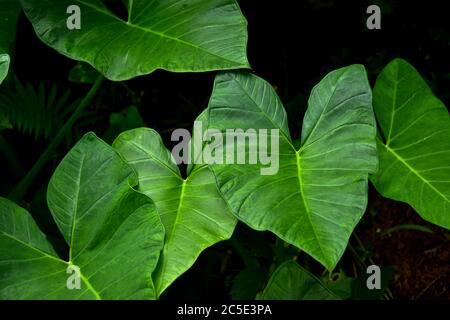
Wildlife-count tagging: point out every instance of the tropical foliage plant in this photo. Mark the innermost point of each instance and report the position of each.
(133, 221)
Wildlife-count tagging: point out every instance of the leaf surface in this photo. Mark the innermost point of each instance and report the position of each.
(179, 36)
(291, 282)
(415, 148)
(114, 233)
(193, 212)
(319, 192)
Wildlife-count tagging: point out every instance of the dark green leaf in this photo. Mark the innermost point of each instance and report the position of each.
(115, 233)
(291, 282)
(194, 214)
(319, 193)
(180, 36)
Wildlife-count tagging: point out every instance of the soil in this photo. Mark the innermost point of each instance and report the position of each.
(421, 260)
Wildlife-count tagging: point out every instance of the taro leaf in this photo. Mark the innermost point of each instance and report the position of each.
(115, 233)
(179, 36)
(194, 214)
(291, 282)
(415, 149)
(8, 20)
(319, 193)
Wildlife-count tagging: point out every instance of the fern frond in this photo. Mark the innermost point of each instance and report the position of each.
(38, 112)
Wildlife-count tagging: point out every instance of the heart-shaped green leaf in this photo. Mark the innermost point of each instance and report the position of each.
(415, 149)
(194, 214)
(180, 36)
(115, 233)
(319, 193)
(291, 282)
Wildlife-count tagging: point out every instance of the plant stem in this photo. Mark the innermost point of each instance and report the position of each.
(21, 189)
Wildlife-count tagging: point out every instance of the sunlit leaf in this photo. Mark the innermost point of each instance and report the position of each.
(194, 214)
(319, 193)
(180, 36)
(414, 148)
(114, 233)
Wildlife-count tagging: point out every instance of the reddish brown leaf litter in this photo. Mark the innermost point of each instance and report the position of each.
(421, 260)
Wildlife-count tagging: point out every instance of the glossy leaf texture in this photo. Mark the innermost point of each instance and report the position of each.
(114, 233)
(414, 145)
(319, 192)
(179, 36)
(10, 10)
(291, 282)
(193, 212)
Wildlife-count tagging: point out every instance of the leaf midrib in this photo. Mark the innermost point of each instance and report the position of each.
(75, 211)
(411, 168)
(285, 134)
(394, 103)
(33, 248)
(72, 234)
(160, 285)
(45, 254)
(303, 195)
(323, 110)
(157, 159)
(160, 34)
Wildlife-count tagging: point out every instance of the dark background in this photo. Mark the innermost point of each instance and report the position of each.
(292, 44)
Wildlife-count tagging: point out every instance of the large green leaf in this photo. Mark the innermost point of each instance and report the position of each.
(319, 193)
(194, 214)
(115, 233)
(10, 10)
(180, 36)
(415, 148)
(291, 282)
